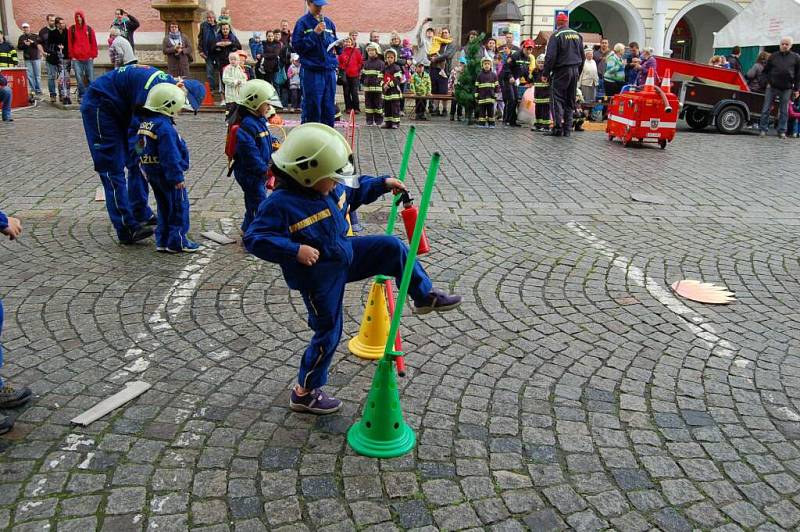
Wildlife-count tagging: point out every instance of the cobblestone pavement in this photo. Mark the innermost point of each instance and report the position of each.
(571, 390)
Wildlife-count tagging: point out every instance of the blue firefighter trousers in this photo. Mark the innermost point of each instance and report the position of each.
(126, 199)
(319, 95)
(173, 215)
(255, 191)
(372, 255)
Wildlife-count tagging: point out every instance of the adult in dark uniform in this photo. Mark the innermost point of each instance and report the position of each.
(563, 63)
(514, 75)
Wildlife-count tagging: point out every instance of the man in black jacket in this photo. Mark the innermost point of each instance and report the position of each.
(563, 63)
(440, 73)
(514, 75)
(783, 80)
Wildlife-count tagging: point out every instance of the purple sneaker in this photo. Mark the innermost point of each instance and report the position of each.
(438, 301)
(316, 402)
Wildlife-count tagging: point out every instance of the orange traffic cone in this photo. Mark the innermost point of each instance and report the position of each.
(666, 82)
(370, 343)
(209, 99)
(650, 83)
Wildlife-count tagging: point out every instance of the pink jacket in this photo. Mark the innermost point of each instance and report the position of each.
(792, 112)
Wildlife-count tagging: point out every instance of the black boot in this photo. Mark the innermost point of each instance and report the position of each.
(553, 133)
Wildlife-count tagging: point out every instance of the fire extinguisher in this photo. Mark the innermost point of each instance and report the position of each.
(409, 214)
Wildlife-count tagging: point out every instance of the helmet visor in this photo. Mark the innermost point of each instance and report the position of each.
(346, 175)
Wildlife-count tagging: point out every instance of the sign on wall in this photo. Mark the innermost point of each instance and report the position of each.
(556, 13)
(502, 27)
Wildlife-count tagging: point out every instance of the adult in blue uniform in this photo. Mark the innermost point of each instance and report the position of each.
(9, 396)
(107, 109)
(563, 63)
(313, 34)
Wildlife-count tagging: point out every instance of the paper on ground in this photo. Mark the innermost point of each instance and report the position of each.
(219, 238)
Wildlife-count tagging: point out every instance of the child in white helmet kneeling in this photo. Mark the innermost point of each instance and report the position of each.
(163, 158)
(302, 227)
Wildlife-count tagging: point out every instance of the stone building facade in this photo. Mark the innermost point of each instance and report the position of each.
(684, 27)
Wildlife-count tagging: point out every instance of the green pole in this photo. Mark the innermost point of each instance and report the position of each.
(412, 132)
(412, 254)
(382, 432)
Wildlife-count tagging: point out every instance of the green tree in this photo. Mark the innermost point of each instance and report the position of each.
(465, 84)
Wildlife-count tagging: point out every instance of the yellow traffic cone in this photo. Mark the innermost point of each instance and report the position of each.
(370, 343)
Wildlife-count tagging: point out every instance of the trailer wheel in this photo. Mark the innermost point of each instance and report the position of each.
(730, 120)
(610, 136)
(662, 143)
(697, 118)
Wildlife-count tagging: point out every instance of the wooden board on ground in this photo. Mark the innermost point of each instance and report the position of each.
(99, 194)
(219, 238)
(131, 391)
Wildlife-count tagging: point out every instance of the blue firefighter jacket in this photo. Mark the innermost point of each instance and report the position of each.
(3, 220)
(253, 149)
(312, 47)
(162, 152)
(125, 88)
(287, 219)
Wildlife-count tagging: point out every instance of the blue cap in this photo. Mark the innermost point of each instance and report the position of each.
(320, 2)
(195, 93)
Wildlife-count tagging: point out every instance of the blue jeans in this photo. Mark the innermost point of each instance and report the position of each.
(783, 108)
(212, 73)
(83, 69)
(5, 102)
(52, 76)
(34, 67)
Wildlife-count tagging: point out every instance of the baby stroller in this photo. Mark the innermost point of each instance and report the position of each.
(63, 79)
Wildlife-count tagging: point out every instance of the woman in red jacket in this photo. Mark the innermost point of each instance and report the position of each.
(350, 61)
(82, 46)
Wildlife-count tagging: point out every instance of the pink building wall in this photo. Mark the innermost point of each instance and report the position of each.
(247, 15)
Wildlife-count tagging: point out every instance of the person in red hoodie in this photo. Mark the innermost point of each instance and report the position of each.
(82, 46)
(350, 61)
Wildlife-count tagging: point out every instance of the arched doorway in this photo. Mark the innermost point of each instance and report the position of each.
(475, 16)
(698, 21)
(618, 20)
(582, 20)
(681, 42)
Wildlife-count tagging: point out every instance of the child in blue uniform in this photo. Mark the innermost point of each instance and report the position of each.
(254, 144)
(312, 36)
(302, 227)
(163, 158)
(107, 109)
(10, 397)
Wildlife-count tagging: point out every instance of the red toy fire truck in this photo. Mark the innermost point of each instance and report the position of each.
(649, 114)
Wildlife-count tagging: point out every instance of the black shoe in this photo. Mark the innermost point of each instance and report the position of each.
(452, 118)
(387, 125)
(578, 128)
(566, 133)
(514, 125)
(8, 120)
(553, 133)
(12, 398)
(150, 222)
(140, 234)
(6, 424)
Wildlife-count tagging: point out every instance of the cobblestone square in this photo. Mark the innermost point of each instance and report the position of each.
(571, 391)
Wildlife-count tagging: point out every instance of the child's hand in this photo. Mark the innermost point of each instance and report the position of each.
(395, 185)
(307, 256)
(180, 186)
(14, 228)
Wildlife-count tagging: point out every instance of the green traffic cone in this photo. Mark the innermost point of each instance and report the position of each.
(382, 432)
